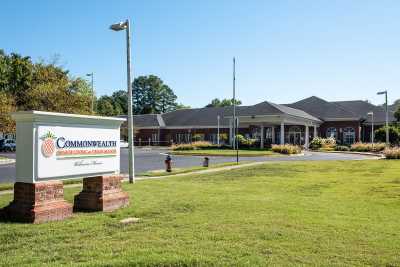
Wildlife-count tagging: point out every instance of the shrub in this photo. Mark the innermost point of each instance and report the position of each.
(392, 153)
(368, 147)
(198, 137)
(245, 142)
(194, 146)
(325, 143)
(286, 149)
(394, 135)
(342, 148)
(316, 143)
(182, 147)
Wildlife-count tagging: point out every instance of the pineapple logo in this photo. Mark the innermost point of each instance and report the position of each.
(48, 146)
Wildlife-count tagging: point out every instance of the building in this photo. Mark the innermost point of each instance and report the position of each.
(296, 123)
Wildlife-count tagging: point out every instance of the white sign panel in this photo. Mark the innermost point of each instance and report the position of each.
(64, 151)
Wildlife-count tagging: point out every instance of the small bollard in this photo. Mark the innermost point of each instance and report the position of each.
(206, 162)
(168, 166)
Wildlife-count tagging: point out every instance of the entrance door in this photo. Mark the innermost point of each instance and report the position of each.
(295, 135)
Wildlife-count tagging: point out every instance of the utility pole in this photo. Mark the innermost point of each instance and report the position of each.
(235, 121)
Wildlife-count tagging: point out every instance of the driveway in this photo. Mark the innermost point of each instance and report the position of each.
(147, 159)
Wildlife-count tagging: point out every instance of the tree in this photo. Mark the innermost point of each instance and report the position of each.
(223, 103)
(120, 101)
(397, 114)
(394, 135)
(42, 86)
(181, 106)
(16, 73)
(151, 95)
(7, 105)
(105, 106)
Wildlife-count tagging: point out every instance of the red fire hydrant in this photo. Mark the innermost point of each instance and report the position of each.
(168, 166)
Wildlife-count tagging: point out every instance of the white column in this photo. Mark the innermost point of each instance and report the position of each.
(315, 131)
(307, 138)
(282, 133)
(273, 134)
(262, 137)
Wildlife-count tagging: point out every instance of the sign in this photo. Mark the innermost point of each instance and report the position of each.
(63, 146)
(73, 151)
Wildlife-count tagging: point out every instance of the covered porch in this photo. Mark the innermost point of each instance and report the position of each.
(288, 126)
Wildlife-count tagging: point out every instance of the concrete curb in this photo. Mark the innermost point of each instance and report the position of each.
(6, 161)
(353, 153)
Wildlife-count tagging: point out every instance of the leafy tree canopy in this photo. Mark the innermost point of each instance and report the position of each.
(151, 95)
(223, 103)
(42, 86)
(397, 114)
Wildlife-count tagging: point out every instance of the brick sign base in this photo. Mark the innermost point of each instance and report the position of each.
(101, 193)
(38, 203)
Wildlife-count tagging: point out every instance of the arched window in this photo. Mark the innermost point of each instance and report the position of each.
(349, 135)
(331, 132)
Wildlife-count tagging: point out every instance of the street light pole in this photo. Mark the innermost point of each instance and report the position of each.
(92, 76)
(218, 130)
(387, 114)
(118, 27)
(372, 128)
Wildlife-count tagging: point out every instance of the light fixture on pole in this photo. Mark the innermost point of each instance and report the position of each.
(92, 76)
(218, 130)
(372, 127)
(387, 114)
(119, 27)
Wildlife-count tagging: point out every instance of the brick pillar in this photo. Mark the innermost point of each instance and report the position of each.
(38, 203)
(101, 193)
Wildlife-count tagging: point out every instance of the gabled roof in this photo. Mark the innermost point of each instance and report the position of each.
(268, 108)
(362, 108)
(146, 120)
(323, 109)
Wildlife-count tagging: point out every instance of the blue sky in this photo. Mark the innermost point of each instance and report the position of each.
(285, 50)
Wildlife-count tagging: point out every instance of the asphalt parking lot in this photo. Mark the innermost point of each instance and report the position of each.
(147, 159)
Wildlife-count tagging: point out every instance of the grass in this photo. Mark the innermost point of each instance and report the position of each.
(191, 169)
(226, 152)
(3, 158)
(280, 214)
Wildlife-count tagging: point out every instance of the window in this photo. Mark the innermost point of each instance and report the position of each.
(349, 135)
(331, 132)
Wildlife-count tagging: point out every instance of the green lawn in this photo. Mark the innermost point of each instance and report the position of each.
(225, 152)
(281, 214)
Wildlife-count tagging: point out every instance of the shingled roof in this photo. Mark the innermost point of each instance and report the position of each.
(362, 108)
(312, 108)
(199, 116)
(323, 109)
(268, 108)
